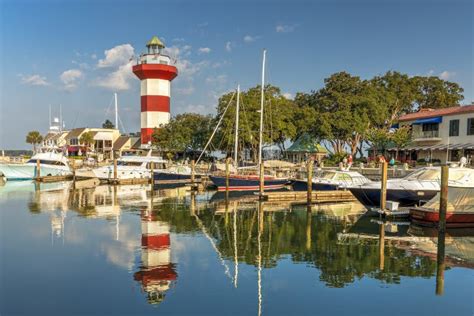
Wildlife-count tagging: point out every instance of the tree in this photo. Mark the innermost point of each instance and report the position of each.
(86, 139)
(380, 139)
(34, 138)
(401, 138)
(435, 93)
(108, 124)
(278, 126)
(188, 131)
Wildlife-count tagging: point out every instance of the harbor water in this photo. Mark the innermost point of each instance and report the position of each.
(123, 250)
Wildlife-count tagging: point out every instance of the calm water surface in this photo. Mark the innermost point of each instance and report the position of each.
(128, 250)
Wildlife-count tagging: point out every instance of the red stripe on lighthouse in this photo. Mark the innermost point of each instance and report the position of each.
(155, 103)
(146, 135)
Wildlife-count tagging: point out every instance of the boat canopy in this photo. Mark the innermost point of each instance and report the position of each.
(460, 199)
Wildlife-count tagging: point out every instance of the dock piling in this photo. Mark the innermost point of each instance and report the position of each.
(193, 172)
(38, 169)
(443, 199)
(383, 188)
(227, 174)
(309, 173)
(115, 169)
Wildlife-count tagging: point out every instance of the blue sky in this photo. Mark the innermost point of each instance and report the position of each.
(77, 53)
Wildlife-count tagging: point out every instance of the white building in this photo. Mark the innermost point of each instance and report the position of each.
(440, 135)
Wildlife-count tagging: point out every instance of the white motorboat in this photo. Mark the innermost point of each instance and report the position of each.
(51, 164)
(331, 180)
(131, 167)
(416, 188)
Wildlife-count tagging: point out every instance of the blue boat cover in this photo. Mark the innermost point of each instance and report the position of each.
(437, 119)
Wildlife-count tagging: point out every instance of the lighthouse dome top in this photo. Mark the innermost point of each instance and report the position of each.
(155, 41)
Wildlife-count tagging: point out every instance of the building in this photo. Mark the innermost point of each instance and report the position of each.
(126, 145)
(305, 147)
(155, 72)
(442, 135)
(102, 146)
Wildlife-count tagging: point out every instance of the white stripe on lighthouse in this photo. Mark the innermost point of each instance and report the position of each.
(154, 119)
(155, 87)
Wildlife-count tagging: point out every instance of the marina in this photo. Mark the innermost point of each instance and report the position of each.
(211, 158)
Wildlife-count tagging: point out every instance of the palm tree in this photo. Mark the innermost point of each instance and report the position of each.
(34, 138)
(86, 140)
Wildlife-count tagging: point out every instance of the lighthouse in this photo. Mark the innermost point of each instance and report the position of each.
(155, 72)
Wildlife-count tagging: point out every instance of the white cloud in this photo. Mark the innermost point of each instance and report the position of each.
(186, 90)
(94, 56)
(117, 56)
(288, 95)
(249, 38)
(285, 28)
(117, 80)
(445, 75)
(178, 39)
(431, 72)
(220, 79)
(34, 80)
(70, 78)
(204, 50)
(228, 46)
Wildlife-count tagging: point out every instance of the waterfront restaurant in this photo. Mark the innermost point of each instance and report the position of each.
(102, 146)
(441, 135)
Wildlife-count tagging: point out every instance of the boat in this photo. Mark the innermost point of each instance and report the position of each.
(331, 180)
(460, 211)
(238, 182)
(416, 188)
(51, 164)
(174, 173)
(131, 167)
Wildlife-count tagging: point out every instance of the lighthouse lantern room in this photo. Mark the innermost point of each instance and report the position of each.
(155, 71)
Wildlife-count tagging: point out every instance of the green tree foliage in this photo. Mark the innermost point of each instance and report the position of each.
(188, 131)
(379, 137)
(401, 137)
(435, 93)
(279, 119)
(86, 139)
(34, 138)
(108, 124)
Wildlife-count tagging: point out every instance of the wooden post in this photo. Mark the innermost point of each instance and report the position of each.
(383, 188)
(443, 199)
(152, 177)
(38, 169)
(309, 174)
(193, 166)
(227, 174)
(381, 247)
(308, 229)
(262, 180)
(115, 169)
(440, 264)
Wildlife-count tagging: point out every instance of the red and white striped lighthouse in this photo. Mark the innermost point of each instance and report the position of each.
(155, 72)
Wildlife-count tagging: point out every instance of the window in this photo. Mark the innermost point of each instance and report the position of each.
(454, 128)
(430, 127)
(73, 141)
(107, 143)
(470, 126)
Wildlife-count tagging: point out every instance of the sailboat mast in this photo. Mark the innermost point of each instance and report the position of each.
(236, 141)
(116, 111)
(262, 99)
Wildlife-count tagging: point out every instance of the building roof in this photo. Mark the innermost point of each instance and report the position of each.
(427, 113)
(75, 133)
(155, 41)
(136, 142)
(306, 143)
(120, 142)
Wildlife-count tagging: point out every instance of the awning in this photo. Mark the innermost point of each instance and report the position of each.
(437, 119)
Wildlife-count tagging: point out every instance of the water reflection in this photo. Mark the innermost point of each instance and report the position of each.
(335, 242)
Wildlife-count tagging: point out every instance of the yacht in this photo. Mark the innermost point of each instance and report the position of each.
(418, 187)
(51, 164)
(331, 180)
(131, 167)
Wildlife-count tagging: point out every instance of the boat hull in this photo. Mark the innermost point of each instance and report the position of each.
(429, 217)
(167, 176)
(371, 196)
(302, 185)
(247, 183)
(29, 172)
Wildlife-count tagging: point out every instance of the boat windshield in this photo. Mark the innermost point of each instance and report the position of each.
(425, 175)
(129, 163)
(328, 175)
(343, 177)
(47, 162)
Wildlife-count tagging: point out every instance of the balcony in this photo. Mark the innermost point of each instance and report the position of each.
(426, 136)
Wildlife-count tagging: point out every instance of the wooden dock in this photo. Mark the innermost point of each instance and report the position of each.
(300, 197)
(49, 179)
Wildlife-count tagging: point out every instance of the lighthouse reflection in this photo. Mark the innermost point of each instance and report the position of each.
(156, 273)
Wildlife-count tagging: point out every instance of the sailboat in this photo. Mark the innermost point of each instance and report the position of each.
(249, 182)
